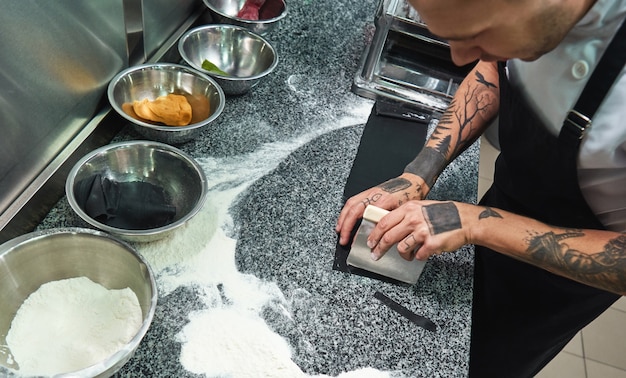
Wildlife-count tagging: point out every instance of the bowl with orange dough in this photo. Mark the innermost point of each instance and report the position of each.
(166, 102)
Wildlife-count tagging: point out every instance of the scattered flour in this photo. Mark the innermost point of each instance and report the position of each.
(240, 344)
(229, 338)
(70, 324)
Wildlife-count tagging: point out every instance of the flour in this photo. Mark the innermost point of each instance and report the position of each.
(240, 345)
(70, 324)
(229, 338)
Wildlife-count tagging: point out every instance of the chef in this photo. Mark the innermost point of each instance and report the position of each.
(549, 234)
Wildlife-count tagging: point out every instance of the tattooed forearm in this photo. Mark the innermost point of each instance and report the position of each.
(605, 269)
(489, 213)
(428, 164)
(458, 127)
(395, 185)
(442, 217)
(546, 248)
(467, 113)
(597, 263)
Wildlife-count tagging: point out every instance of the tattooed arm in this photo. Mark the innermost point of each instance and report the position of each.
(474, 105)
(423, 228)
(593, 257)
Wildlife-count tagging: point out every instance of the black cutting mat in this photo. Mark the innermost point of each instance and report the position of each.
(392, 137)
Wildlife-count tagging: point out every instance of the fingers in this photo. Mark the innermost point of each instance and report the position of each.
(403, 227)
(408, 247)
(352, 212)
(387, 195)
(419, 229)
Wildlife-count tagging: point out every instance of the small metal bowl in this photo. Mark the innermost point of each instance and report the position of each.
(245, 56)
(225, 12)
(179, 183)
(33, 259)
(150, 81)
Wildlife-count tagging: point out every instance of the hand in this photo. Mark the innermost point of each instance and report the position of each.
(388, 195)
(421, 229)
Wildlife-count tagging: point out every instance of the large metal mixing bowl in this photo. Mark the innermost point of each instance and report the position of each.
(246, 57)
(31, 260)
(179, 176)
(150, 81)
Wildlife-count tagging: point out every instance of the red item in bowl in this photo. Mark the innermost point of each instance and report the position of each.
(250, 9)
(271, 9)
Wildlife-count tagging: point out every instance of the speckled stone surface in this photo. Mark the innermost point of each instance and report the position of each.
(336, 312)
(284, 222)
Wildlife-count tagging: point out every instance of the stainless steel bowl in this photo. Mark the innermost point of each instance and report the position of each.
(31, 260)
(225, 12)
(181, 179)
(245, 56)
(150, 81)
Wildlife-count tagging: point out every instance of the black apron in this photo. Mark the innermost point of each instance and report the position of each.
(523, 316)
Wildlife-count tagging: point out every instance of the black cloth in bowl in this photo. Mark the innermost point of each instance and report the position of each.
(134, 205)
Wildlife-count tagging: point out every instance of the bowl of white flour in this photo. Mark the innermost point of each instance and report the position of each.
(75, 302)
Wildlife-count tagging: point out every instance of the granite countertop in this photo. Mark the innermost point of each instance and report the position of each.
(247, 287)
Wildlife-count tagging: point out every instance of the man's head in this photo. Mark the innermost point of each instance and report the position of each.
(500, 29)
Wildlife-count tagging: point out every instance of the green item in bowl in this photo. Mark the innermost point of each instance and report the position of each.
(211, 67)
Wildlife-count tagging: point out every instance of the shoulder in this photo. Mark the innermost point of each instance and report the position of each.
(554, 82)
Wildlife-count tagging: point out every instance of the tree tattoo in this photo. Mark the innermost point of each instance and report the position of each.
(489, 213)
(442, 217)
(606, 268)
(463, 110)
(476, 101)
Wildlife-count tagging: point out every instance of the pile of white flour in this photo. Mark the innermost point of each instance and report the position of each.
(70, 324)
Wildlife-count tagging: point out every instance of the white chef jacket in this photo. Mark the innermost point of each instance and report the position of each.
(553, 84)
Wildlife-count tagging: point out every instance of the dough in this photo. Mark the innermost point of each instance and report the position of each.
(171, 110)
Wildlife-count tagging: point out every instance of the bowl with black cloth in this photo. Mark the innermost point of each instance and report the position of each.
(139, 191)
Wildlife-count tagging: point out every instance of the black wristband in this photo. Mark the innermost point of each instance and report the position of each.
(428, 165)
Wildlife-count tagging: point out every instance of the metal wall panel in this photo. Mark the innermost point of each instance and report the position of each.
(57, 59)
(161, 18)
